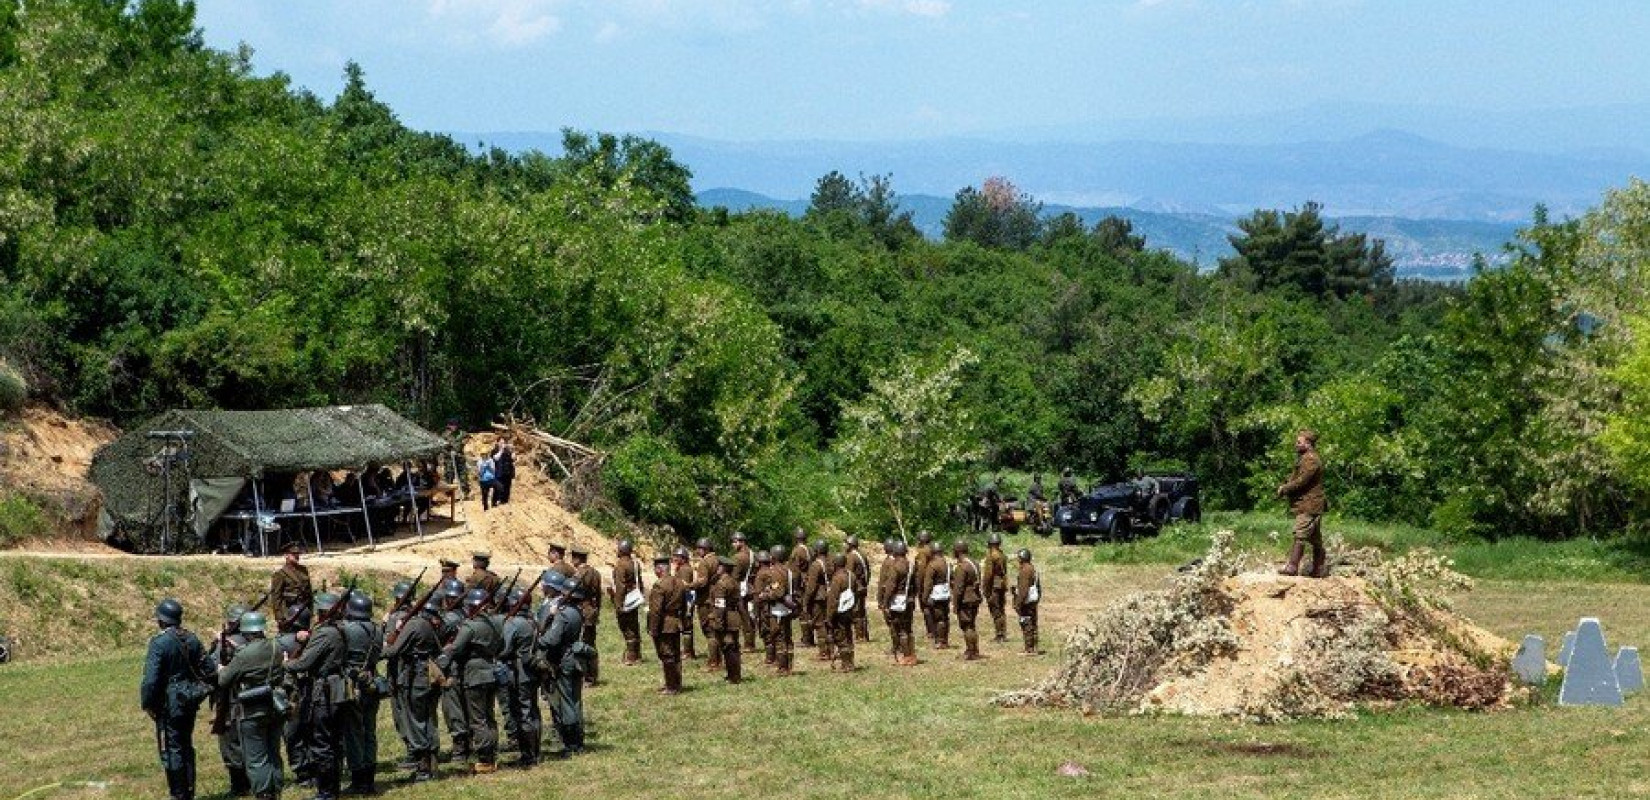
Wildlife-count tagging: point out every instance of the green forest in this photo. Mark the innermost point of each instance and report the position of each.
(176, 230)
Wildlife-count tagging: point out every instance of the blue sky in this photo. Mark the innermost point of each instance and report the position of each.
(906, 69)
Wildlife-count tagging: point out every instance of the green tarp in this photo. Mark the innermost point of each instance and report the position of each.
(244, 445)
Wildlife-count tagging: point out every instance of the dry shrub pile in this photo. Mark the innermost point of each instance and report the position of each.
(1224, 641)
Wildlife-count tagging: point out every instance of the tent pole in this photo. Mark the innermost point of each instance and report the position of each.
(314, 523)
(258, 518)
(365, 516)
(412, 497)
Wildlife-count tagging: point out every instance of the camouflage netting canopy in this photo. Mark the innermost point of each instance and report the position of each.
(227, 448)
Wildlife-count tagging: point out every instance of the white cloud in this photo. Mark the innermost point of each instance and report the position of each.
(920, 8)
(504, 23)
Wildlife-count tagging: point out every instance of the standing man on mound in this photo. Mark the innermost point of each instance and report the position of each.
(1304, 491)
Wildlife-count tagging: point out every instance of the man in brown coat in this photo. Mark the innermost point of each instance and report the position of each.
(627, 578)
(290, 592)
(925, 549)
(1304, 491)
(758, 604)
(704, 578)
(814, 585)
(722, 617)
(841, 621)
(1028, 591)
(861, 568)
(682, 569)
(480, 575)
(936, 596)
(589, 581)
(801, 556)
(897, 594)
(888, 546)
(744, 571)
(557, 554)
(779, 587)
(994, 577)
(666, 606)
(965, 592)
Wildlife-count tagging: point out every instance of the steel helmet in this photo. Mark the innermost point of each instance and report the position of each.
(253, 622)
(169, 612)
(477, 598)
(325, 601)
(452, 587)
(401, 590)
(625, 547)
(994, 539)
(232, 615)
(359, 606)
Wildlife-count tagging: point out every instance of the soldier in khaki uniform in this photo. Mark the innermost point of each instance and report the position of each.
(965, 592)
(627, 578)
(994, 579)
(1028, 591)
(744, 571)
(841, 622)
(721, 616)
(897, 594)
(480, 575)
(1304, 491)
(814, 585)
(683, 570)
(759, 607)
(925, 549)
(936, 596)
(589, 581)
(704, 578)
(290, 592)
(557, 554)
(779, 594)
(801, 557)
(861, 569)
(888, 546)
(666, 609)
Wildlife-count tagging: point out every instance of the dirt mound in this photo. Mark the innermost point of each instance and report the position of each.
(45, 456)
(1262, 646)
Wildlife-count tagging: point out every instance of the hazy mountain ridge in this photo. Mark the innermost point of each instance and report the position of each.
(1426, 248)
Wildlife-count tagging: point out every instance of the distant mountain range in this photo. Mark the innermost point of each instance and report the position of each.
(1420, 248)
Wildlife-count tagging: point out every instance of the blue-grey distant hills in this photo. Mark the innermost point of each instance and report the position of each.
(1420, 248)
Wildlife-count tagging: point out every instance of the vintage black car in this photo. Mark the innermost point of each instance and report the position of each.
(1118, 511)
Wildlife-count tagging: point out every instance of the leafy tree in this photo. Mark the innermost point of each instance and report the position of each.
(1297, 250)
(611, 160)
(1116, 235)
(907, 443)
(997, 215)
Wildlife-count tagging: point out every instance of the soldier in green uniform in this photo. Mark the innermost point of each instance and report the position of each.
(557, 654)
(173, 687)
(801, 557)
(250, 681)
(452, 694)
(454, 458)
(840, 620)
(994, 580)
(411, 652)
(898, 596)
(721, 617)
(223, 649)
(861, 569)
(519, 694)
(936, 596)
(666, 607)
(363, 648)
(815, 582)
(400, 613)
(320, 661)
(965, 590)
(468, 661)
(589, 580)
(1304, 491)
(290, 592)
(779, 594)
(1028, 590)
(627, 584)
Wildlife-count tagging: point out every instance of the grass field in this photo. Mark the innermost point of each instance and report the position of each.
(931, 731)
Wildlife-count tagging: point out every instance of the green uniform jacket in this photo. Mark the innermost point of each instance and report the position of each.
(416, 644)
(474, 649)
(323, 655)
(256, 664)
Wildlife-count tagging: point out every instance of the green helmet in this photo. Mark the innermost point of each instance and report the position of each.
(401, 590)
(325, 601)
(232, 615)
(253, 622)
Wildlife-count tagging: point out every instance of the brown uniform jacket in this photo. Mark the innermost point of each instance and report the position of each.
(818, 577)
(936, 572)
(861, 567)
(995, 577)
(899, 578)
(800, 556)
(565, 567)
(842, 581)
(684, 575)
(744, 570)
(1023, 583)
(484, 578)
(724, 600)
(590, 579)
(289, 588)
(777, 582)
(704, 578)
(666, 606)
(965, 583)
(627, 575)
(1304, 489)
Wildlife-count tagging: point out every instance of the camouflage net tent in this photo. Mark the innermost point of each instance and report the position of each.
(197, 463)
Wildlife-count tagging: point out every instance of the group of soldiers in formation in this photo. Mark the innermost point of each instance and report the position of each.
(312, 680)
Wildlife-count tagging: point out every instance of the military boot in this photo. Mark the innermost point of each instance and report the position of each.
(1294, 565)
(361, 782)
(971, 646)
(239, 784)
(673, 678)
(425, 769)
(1320, 561)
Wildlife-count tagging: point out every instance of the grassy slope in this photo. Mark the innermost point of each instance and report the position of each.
(927, 732)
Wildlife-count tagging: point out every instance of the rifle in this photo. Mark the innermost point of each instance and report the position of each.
(401, 602)
(331, 615)
(422, 602)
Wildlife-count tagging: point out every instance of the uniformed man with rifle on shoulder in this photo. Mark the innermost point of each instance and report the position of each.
(252, 682)
(468, 660)
(519, 685)
(412, 647)
(364, 648)
(222, 651)
(405, 599)
(319, 663)
(557, 657)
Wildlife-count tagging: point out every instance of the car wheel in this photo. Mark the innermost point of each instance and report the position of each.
(1068, 536)
(1117, 527)
(1158, 509)
(1187, 510)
